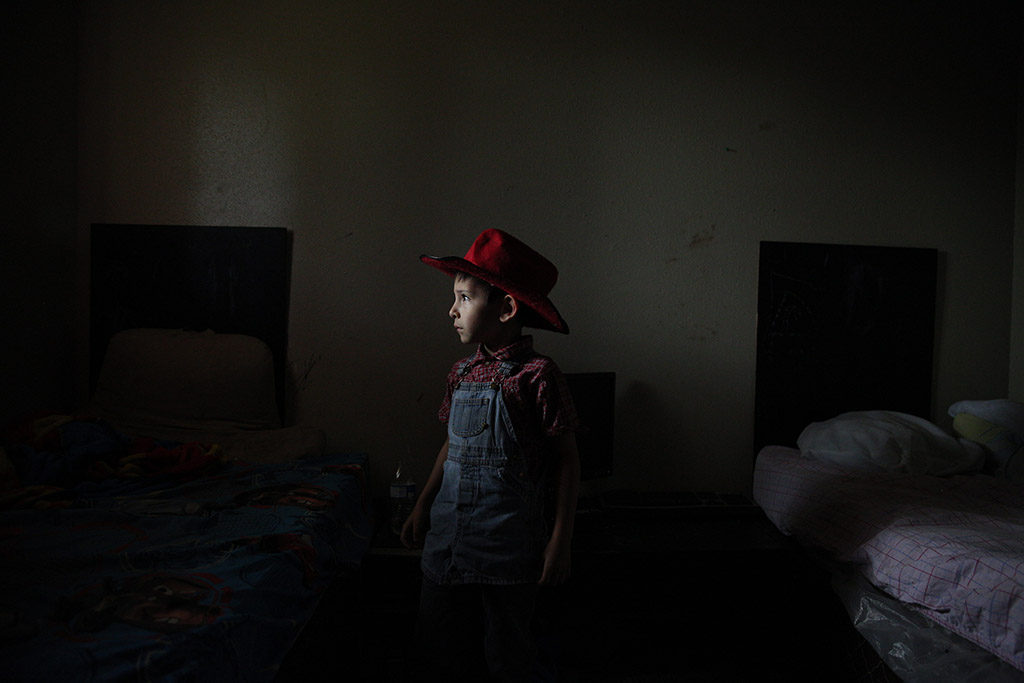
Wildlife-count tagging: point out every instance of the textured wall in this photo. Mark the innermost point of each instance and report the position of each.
(646, 150)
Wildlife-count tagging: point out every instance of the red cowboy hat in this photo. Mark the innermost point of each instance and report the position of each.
(503, 261)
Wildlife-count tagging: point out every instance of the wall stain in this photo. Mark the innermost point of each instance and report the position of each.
(703, 238)
(704, 334)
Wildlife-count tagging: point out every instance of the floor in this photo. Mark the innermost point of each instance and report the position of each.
(676, 597)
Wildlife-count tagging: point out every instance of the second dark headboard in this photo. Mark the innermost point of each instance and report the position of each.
(226, 279)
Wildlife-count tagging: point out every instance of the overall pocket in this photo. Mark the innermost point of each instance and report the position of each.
(469, 416)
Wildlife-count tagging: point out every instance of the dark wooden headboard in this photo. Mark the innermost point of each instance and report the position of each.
(841, 328)
(226, 279)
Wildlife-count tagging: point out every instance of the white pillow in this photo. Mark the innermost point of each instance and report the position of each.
(882, 440)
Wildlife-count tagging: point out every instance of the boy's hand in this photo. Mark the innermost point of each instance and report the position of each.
(415, 528)
(557, 563)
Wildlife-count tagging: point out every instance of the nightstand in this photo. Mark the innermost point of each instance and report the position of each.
(391, 585)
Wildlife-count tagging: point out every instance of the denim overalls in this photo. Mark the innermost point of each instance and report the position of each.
(487, 522)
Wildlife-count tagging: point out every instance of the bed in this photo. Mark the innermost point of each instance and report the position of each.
(922, 529)
(172, 529)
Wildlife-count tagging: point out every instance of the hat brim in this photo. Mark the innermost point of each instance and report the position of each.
(546, 315)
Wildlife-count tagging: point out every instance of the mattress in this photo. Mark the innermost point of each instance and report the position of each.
(952, 548)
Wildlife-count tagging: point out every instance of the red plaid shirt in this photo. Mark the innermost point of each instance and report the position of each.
(536, 395)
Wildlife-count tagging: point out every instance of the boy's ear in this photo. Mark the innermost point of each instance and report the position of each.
(509, 308)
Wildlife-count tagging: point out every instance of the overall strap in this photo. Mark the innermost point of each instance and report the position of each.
(504, 371)
(464, 366)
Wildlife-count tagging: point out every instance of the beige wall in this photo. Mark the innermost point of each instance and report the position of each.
(645, 151)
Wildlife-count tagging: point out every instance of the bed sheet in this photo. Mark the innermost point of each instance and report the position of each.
(951, 547)
(128, 559)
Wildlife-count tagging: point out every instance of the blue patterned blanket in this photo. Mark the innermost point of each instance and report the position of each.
(128, 559)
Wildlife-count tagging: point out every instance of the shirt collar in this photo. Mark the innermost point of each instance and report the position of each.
(521, 346)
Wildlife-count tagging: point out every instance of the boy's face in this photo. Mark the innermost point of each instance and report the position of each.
(476, 318)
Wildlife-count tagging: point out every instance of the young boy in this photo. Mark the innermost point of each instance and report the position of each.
(509, 465)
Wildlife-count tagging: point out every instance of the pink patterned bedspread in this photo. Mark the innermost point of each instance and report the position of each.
(952, 547)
